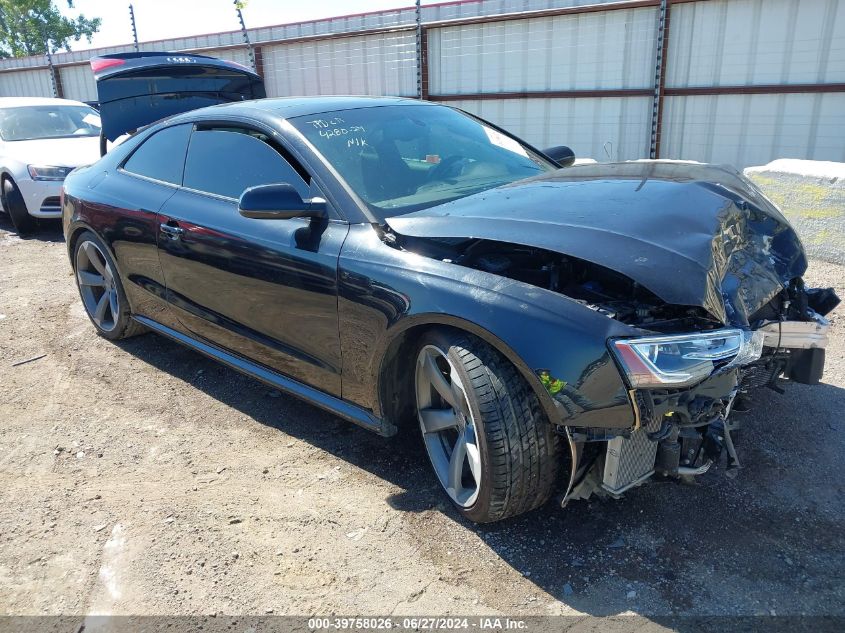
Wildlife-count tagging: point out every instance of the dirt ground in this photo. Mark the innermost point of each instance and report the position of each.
(142, 478)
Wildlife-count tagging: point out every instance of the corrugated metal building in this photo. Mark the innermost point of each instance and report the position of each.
(733, 81)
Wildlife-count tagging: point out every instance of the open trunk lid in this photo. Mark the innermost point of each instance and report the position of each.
(136, 89)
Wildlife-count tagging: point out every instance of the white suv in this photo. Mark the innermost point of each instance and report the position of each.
(41, 141)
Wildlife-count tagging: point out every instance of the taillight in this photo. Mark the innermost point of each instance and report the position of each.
(99, 64)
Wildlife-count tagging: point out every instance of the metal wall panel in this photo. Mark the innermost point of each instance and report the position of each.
(744, 130)
(26, 83)
(711, 43)
(238, 55)
(402, 17)
(607, 128)
(72, 56)
(613, 49)
(78, 83)
(457, 10)
(342, 24)
(382, 64)
(740, 42)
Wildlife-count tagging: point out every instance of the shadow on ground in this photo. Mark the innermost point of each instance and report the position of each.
(665, 548)
(48, 230)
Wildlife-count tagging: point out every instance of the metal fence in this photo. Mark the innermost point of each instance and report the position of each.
(730, 81)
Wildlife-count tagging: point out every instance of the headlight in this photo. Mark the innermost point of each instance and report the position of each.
(683, 360)
(38, 172)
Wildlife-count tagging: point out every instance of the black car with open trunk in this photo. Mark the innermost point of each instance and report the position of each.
(406, 265)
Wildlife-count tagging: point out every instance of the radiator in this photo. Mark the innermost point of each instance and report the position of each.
(629, 461)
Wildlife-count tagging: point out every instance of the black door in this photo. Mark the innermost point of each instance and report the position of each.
(264, 289)
(127, 216)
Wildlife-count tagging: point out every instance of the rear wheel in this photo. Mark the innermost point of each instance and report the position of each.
(15, 206)
(101, 290)
(491, 447)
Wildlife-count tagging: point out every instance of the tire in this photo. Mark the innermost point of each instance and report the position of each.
(15, 206)
(512, 453)
(101, 289)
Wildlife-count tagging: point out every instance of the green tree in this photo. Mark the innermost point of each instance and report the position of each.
(27, 26)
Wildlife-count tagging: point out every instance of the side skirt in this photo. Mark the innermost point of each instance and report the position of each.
(332, 404)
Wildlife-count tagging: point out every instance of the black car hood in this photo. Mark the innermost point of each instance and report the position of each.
(695, 235)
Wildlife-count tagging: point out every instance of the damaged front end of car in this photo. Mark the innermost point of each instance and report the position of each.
(687, 391)
(704, 271)
(684, 429)
(685, 380)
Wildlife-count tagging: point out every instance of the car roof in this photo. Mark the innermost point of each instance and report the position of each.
(20, 102)
(289, 107)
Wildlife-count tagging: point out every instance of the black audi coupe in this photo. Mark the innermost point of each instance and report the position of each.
(406, 265)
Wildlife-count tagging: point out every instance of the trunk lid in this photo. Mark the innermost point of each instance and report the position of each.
(136, 89)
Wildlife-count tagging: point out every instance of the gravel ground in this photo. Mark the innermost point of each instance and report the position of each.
(142, 478)
(814, 204)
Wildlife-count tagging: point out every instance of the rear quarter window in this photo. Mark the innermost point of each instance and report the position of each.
(162, 155)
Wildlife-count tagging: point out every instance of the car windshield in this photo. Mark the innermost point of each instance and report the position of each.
(26, 123)
(399, 159)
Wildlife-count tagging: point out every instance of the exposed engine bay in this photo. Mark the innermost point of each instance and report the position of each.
(596, 287)
(694, 259)
(681, 433)
(685, 433)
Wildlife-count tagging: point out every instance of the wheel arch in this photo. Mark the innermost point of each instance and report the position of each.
(8, 171)
(6, 174)
(14, 172)
(72, 237)
(394, 394)
(26, 222)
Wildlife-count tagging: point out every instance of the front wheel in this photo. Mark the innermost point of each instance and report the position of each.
(491, 447)
(15, 206)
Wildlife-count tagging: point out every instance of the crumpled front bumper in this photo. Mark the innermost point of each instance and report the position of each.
(685, 431)
(663, 414)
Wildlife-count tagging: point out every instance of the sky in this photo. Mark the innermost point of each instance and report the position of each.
(163, 19)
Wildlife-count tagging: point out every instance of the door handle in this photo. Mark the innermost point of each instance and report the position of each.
(173, 232)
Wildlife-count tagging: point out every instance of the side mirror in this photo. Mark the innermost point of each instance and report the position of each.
(561, 154)
(279, 202)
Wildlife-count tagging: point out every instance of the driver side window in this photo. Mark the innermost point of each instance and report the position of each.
(227, 160)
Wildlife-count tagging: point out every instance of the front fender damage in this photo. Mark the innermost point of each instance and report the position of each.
(665, 249)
